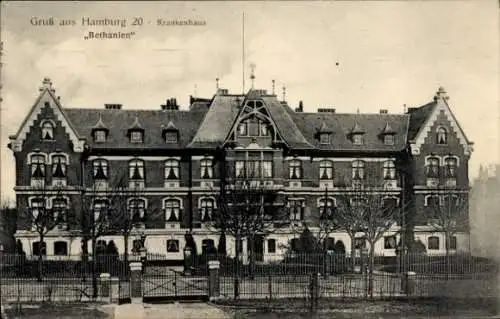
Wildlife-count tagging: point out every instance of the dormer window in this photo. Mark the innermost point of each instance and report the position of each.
(171, 137)
(442, 136)
(389, 139)
(99, 136)
(136, 137)
(243, 129)
(47, 131)
(324, 133)
(171, 133)
(324, 138)
(357, 139)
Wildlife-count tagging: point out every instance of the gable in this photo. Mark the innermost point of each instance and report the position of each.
(441, 107)
(46, 98)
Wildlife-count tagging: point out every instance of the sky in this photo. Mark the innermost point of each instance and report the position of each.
(365, 55)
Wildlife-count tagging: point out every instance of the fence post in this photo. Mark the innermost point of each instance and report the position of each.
(408, 282)
(105, 287)
(136, 282)
(213, 279)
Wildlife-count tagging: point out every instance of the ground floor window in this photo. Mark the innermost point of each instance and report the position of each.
(390, 242)
(433, 243)
(39, 249)
(453, 242)
(61, 248)
(172, 246)
(271, 246)
(330, 243)
(359, 243)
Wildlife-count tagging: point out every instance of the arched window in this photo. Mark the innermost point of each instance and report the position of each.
(389, 170)
(432, 167)
(60, 248)
(326, 207)
(100, 210)
(295, 167)
(207, 206)
(171, 169)
(59, 166)
(38, 209)
(136, 170)
(172, 210)
(326, 170)
(358, 170)
(47, 130)
(451, 164)
(100, 169)
(296, 207)
(432, 201)
(37, 166)
(442, 136)
(207, 170)
(137, 208)
(59, 207)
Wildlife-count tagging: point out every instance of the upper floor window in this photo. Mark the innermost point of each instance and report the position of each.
(172, 210)
(207, 206)
(207, 170)
(357, 139)
(136, 169)
(326, 170)
(171, 169)
(100, 136)
(37, 166)
(442, 136)
(59, 207)
(171, 136)
(47, 130)
(326, 207)
(253, 126)
(432, 201)
(432, 167)
(324, 138)
(254, 168)
(296, 207)
(295, 169)
(389, 139)
(100, 208)
(389, 170)
(358, 170)
(59, 166)
(100, 169)
(38, 210)
(451, 164)
(243, 129)
(136, 136)
(137, 208)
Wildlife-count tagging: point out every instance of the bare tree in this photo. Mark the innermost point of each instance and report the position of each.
(247, 207)
(8, 218)
(46, 212)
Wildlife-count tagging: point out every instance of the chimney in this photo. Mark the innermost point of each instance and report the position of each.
(170, 105)
(300, 108)
(383, 111)
(223, 92)
(191, 99)
(326, 110)
(110, 106)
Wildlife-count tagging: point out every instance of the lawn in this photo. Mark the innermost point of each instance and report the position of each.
(59, 310)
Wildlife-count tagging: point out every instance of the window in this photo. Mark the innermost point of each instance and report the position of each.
(99, 136)
(172, 210)
(207, 169)
(389, 139)
(137, 208)
(206, 209)
(59, 166)
(136, 170)
(326, 170)
(433, 243)
(61, 248)
(208, 246)
(432, 167)
(294, 244)
(357, 139)
(295, 167)
(39, 249)
(38, 210)
(37, 166)
(358, 170)
(389, 205)
(99, 210)
(324, 138)
(136, 137)
(171, 169)
(271, 246)
(47, 131)
(243, 129)
(267, 169)
(240, 169)
(453, 242)
(442, 136)
(359, 242)
(100, 247)
(390, 242)
(296, 207)
(136, 245)
(326, 207)
(330, 243)
(59, 206)
(264, 130)
(389, 170)
(451, 164)
(171, 136)
(432, 201)
(100, 167)
(452, 203)
(172, 246)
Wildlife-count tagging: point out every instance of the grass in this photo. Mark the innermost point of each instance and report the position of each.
(56, 310)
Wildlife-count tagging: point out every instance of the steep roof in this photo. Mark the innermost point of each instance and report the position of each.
(119, 121)
(418, 116)
(342, 125)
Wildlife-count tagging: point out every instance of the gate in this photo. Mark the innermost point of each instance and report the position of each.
(163, 283)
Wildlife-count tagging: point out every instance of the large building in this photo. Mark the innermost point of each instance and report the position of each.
(171, 154)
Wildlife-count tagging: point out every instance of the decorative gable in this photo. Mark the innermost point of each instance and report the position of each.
(357, 133)
(100, 131)
(323, 133)
(136, 132)
(441, 105)
(170, 133)
(46, 99)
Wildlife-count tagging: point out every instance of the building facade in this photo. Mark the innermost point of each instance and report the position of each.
(171, 159)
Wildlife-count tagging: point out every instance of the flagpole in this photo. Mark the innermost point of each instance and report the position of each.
(243, 50)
